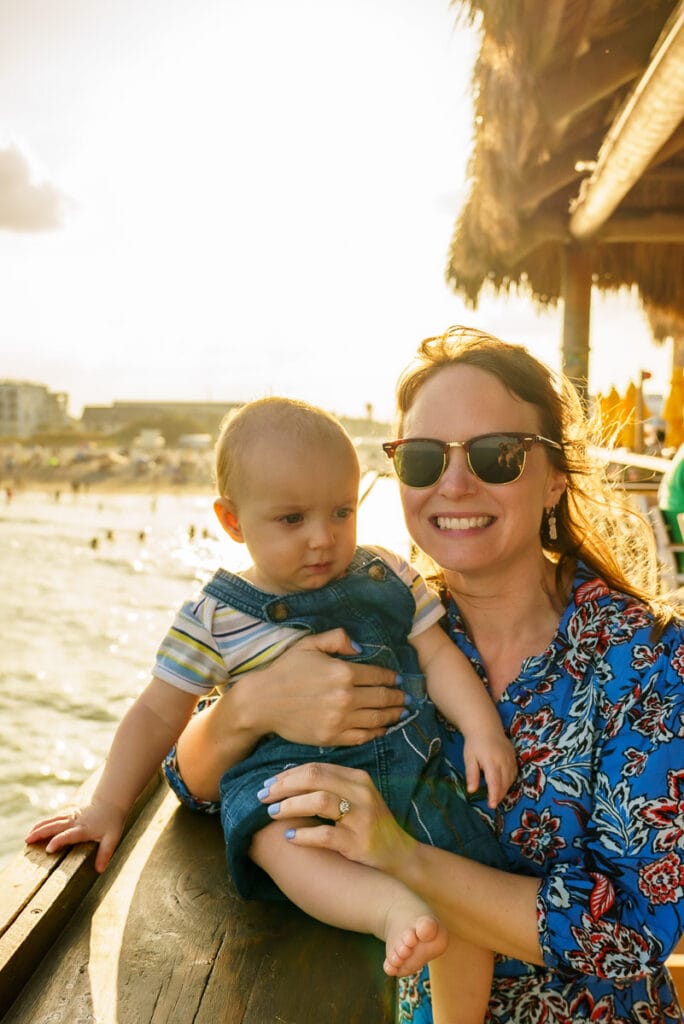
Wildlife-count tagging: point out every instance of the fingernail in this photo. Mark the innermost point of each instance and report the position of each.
(357, 647)
(273, 809)
(263, 793)
(408, 699)
(404, 715)
(290, 834)
(269, 782)
(398, 679)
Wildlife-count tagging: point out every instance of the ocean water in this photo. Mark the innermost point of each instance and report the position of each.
(91, 583)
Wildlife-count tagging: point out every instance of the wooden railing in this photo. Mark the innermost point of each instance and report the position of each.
(162, 937)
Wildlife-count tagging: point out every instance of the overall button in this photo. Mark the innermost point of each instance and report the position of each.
(279, 611)
(377, 572)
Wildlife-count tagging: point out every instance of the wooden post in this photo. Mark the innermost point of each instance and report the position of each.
(677, 349)
(576, 289)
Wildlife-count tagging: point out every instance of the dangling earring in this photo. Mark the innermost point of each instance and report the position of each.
(551, 523)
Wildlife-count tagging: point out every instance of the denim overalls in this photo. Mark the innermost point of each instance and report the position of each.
(376, 609)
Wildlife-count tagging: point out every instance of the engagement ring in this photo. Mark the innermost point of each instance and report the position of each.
(344, 808)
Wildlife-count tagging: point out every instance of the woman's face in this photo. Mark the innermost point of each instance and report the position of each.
(463, 524)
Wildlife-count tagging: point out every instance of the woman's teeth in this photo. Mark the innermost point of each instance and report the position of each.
(462, 523)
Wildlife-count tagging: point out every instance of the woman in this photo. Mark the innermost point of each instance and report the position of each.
(545, 593)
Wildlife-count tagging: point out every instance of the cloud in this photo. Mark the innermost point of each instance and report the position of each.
(26, 204)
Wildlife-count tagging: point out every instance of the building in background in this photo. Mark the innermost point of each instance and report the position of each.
(108, 419)
(26, 409)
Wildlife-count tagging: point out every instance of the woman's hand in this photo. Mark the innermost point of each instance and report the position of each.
(305, 696)
(482, 905)
(365, 832)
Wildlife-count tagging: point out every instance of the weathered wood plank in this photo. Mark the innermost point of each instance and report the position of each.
(162, 938)
(38, 894)
(24, 876)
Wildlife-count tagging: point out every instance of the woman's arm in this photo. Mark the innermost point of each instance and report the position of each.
(617, 910)
(482, 905)
(305, 696)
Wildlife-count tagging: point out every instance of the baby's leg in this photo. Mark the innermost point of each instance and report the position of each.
(461, 982)
(347, 895)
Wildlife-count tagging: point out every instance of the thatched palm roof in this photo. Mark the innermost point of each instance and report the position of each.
(578, 142)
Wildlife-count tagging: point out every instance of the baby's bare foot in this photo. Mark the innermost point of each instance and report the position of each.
(414, 946)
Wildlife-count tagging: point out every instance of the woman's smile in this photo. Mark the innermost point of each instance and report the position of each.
(462, 522)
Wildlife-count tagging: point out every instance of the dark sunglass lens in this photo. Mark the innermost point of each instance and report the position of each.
(497, 459)
(419, 463)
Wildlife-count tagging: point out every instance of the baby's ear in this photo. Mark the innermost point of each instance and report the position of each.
(226, 513)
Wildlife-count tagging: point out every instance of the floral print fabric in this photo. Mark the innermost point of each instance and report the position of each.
(596, 812)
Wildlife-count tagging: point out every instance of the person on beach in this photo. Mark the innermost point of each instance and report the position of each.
(288, 479)
(546, 581)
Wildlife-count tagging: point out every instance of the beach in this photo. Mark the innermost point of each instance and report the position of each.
(95, 468)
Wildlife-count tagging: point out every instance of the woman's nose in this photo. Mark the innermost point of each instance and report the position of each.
(457, 477)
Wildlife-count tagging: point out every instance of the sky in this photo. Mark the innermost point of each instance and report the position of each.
(223, 199)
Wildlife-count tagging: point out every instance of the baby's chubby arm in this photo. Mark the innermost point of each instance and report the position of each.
(457, 691)
(146, 732)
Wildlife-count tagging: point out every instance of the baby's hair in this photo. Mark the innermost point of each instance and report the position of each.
(254, 423)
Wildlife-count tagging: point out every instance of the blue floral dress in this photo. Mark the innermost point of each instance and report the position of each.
(597, 813)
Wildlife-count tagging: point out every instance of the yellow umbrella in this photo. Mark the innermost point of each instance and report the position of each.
(610, 410)
(628, 416)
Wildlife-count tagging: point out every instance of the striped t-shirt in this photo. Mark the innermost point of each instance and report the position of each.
(210, 643)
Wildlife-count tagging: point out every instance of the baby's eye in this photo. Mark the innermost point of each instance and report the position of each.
(343, 513)
(292, 518)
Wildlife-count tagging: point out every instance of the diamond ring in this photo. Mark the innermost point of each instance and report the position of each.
(344, 807)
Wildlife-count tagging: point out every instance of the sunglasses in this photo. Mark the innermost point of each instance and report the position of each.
(492, 458)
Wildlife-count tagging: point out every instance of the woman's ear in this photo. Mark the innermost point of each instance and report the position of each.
(556, 489)
(226, 513)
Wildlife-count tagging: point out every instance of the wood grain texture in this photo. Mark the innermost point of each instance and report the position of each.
(163, 938)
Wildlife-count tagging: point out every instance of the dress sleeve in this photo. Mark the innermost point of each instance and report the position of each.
(616, 910)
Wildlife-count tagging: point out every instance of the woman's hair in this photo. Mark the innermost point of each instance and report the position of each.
(271, 420)
(594, 520)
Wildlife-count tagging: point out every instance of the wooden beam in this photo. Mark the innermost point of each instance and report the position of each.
(673, 145)
(576, 294)
(657, 227)
(597, 73)
(560, 170)
(653, 112)
(671, 175)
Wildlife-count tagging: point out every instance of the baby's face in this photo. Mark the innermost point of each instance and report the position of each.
(297, 515)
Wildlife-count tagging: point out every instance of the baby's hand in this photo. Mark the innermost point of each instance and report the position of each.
(491, 755)
(95, 822)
